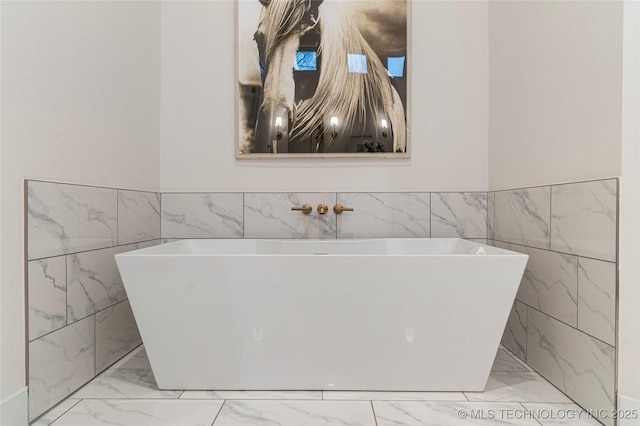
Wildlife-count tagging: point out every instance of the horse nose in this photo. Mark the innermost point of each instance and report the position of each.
(272, 130)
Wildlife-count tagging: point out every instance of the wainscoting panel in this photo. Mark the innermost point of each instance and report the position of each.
(563, 321)
(80, 321)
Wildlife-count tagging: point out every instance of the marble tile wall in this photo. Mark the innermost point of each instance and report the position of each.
(59, 363)
(375, 215)
(522, 216)
(80, 321)
(564, 312)
(116, 333)
(563, 321)
(66, 219)
(269, 215)
(202, 215)
(459, 214)
(138, 216)
(385, 215)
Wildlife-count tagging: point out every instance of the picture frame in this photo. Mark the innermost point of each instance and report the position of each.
(331, 82)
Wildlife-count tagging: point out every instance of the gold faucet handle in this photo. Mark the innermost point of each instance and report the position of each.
(306, 209)
(322, 208)
(339, 208)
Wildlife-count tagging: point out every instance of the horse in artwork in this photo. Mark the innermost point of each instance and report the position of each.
(351, 97)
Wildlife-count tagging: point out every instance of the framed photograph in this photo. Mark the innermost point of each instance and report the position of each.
(322, 78)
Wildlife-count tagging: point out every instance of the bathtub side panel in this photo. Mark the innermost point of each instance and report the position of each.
(322, 322)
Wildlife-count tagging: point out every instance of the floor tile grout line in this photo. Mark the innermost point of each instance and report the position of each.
(385, 400)
(375, 418)
(69, 396)
(520, 361)
(526, 409)
(135, 398)
(265, 399)
(219, 411)
(322, 393)
(151, 398)
(57, 418)
(370, 401)
(499, 401)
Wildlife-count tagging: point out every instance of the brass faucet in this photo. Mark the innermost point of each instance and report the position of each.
(306, 209)
(339, 208)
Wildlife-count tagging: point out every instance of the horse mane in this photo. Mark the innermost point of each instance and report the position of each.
(341, 93)
(281, 18)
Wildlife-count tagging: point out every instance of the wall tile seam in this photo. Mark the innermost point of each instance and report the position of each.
(516, 357)
(60, 328)
(411, 192)
(617, 178)
(95, 367)
(317, 192)
(556, 251)
(95, 346)
(97, 373)
(550, 239)
(161, 211)
(141, 241)
(293, 238)
(551, 216)
(542, 374)
(118, 217)
(430, 214)
(515, 309)
(526, 332)
(37, 419)
(66, 297)
(114, 244)
(117, 227)
(86, 185)
(90, 250)
(565, 392)
(568, 325)
(146, 241)
(94, 375)
(526, 352)
(97, 312)
(79, 319)
(320, 191)
(67, 282)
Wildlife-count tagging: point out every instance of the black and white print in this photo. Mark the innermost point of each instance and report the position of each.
(322, 76)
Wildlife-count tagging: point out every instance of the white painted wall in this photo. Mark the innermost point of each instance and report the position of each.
(555, 91)
(563, 107)
(448, 107)
(80, 103)
(86, 98)
(629, 303)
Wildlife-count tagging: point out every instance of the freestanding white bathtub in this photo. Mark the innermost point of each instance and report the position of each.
(379, 314)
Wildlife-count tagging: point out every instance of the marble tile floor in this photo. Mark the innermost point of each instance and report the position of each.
(126, 395)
